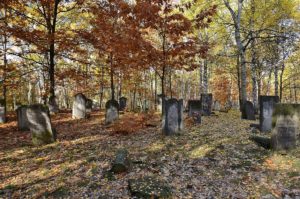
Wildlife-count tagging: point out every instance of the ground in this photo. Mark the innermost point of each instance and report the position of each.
(214, 159)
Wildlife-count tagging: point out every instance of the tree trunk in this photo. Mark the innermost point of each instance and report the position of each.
(112, 78)
(205, 76)
(276, 80)
(281, 81)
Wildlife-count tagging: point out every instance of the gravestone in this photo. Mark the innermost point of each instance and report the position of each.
(248, 111)
(52, 104)
(216, 106)
(2, 112)
(267, 104)
(285, 123)
(160, 101)
(39, 124)
(173, 118)
(206, 103)
(123, 103)
(112, 111)
(22, 118)
(194, 106)
(79, 106)
(122, 162)
(88, 106)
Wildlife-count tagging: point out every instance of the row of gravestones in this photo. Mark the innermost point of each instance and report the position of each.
(36, 118)
(281, 119)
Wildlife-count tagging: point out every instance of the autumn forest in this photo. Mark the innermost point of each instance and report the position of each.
(150, 99)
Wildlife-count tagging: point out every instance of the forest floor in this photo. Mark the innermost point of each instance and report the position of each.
(212, 160)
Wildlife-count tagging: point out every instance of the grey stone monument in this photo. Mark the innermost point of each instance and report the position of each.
(112, 111)
(22, 118)
(248, 111)
(285, 123)
(267, 104)
(123, 103)
(2, 112)
(89, 107)
(173, 118)
(216, 105)
(206, 103)
(194, 106)
(40, 124)
(79, 107)
(52, 104)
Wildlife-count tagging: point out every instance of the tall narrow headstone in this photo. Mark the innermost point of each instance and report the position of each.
(248, 111)
(173, 117)
(89, 106)
(206, 103)
(285, 123)
(216, 105)
(267, 104)
(112, 111)
(52, 104)
(123, 103)
(40, 124)
(22, 118)
(194, 107)
(2, 112)
(79, 107)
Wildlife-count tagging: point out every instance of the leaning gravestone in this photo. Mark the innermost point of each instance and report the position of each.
(22, 118)
(52, 104)
(248, 111)
(123, 103)
(112, 111)
(88, 106)
(285, 122)
(267, 104)
(173, 117)
(79, 107)
(194, 106)
(206, 103)
(216, 106)
(39, 124)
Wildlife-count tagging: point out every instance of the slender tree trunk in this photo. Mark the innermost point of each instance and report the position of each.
(170, 83)
(276, 80)
(205, 76)
(201, 78)
(281, 81)
(155, 90)
(112, 78)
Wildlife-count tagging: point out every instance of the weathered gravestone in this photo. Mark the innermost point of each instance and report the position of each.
(122, 162)
(40, 124)
(88, 106)
(173, 117)
(285, 123)
(267, 104)
(52, 104)
(2, 112)
(22, 118)
(248, 111)
(79, 107)
(194, 106)
(216, 105)
(206, 103)
(123, 103)
(112, 111)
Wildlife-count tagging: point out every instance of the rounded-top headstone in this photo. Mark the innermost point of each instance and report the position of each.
(112, 111)
(79, 106)
(22, 118)
(248, 111)
(173, 117)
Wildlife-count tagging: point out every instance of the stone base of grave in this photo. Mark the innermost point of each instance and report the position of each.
(149, 187)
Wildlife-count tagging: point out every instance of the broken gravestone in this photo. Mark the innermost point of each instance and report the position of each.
(79, 106)
(112, 111)
(22, 118)
(123, 103)
(2, 111)
(194, 106)
(206, 103)
(52, 104)
(267, 104)
(88, 107)
(39, 124)
(216, 105)
(248, 111)
(173, 118)
(149, 187)
(285, 122)
(122, 162)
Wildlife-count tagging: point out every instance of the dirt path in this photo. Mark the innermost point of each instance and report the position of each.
(215, 159)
